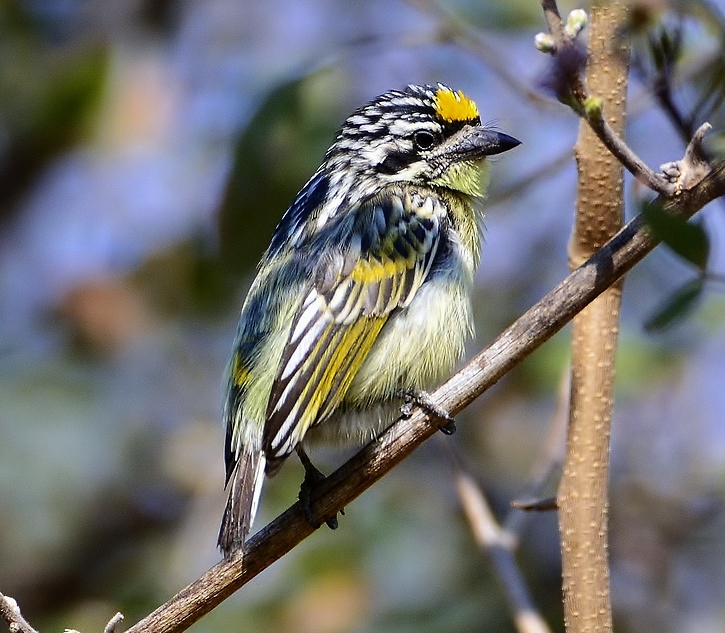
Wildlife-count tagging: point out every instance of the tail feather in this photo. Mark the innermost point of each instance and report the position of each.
(246, 485)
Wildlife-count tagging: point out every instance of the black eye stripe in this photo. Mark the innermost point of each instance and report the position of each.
(395, 162)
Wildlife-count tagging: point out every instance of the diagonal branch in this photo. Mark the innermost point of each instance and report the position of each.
(500, 546)
(529, 332)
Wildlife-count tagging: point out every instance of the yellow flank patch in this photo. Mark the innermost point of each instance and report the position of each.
(345, 353)
(454, 106)
(239, 372)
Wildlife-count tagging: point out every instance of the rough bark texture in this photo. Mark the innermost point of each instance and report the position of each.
(582, 497)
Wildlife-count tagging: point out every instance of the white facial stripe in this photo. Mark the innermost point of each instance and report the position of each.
(401, 127)
(376, 155)
(409, 173)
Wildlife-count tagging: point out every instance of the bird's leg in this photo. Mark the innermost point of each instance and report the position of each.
(423, 400)
(313, 478)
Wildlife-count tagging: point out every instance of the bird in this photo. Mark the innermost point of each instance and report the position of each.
(362, 300)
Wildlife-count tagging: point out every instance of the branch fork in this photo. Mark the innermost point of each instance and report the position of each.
(677, 176)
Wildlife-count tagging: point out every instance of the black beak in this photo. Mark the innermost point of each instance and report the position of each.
(476, 142)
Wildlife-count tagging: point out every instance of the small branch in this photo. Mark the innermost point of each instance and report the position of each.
(10, 612)
(633, 163)
(555, 23)
(500, 546)
(113, 623)
(591, 109)
(550, 459)
(500, 541)
(509, 349)
(693, 167)
(536, 505)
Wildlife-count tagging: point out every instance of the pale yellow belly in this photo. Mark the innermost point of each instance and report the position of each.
(418, 349)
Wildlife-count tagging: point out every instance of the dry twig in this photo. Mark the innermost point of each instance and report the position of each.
(500, 541)
(10, 612)
(549, 462)
(500, 546)
(591, 109)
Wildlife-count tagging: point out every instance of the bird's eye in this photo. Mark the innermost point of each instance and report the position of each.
(424, 140)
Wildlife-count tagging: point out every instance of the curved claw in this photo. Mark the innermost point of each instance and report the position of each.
(423, 400)
(449, 428)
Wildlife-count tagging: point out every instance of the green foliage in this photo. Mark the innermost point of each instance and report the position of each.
(47, 94)
(676, 306)
(687, 239)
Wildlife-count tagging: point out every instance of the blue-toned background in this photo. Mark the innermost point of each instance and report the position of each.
(147, 150)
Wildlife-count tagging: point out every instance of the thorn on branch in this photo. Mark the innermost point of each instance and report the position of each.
(536, 505)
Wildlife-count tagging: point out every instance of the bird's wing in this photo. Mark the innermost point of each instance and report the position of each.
(377, 271)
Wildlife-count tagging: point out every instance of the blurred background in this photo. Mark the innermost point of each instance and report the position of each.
(147, 150)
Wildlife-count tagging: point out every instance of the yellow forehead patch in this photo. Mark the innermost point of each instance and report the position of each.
(454, 106)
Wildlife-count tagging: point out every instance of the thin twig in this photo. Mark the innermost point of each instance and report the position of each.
(500, 541)
(590, 110)
(499, 546)
(633, 163)
(10, 612)
(550, 458)
(536, 505)
(555, 23)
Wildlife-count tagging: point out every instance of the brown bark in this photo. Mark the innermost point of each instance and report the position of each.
(582, 497)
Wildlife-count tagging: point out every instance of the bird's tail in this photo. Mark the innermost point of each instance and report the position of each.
(246, 485)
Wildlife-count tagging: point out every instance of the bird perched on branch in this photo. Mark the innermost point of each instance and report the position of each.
(362, 300)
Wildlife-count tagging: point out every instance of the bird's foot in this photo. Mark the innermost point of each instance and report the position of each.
(423, 400)
(313, 478)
